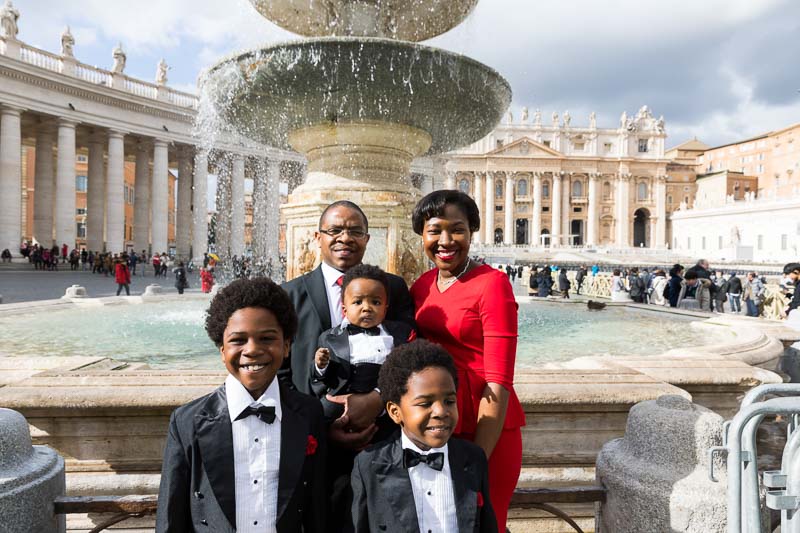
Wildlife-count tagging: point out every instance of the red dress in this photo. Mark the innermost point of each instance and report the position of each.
(475, 320)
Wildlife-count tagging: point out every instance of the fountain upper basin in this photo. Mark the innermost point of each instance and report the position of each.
(270, 92)
(408, 20)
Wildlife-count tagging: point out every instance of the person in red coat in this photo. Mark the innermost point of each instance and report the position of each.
(470, 310)
(122, 275)
(206, 279)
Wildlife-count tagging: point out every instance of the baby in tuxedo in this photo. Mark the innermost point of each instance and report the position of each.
(421, 480)
(351, 354)
(250, 456)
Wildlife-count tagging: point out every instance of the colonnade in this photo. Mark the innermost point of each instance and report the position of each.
(549, 203)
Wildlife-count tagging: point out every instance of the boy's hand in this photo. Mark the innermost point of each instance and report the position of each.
(322, 357)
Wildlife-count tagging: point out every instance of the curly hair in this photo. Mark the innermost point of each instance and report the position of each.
(407, 359)
(242, 293)
(434, 204)
(363, 271)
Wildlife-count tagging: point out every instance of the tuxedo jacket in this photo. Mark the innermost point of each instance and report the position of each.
(340, 371)
(383, 499)
(310, 299)
(197, 490)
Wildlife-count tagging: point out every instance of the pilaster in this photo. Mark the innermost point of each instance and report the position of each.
(536, 222)
(508, 232)
(477, 195)
(488, 236)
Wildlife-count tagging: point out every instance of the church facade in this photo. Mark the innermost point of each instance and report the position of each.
(561, 184)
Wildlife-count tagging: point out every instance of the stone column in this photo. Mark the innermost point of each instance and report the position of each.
(566, 209)
(555, 210)
(477, 195)
(200, 206)
(141, 204)
(11, 179)
(449, 181)
(183, 231)
(536, 222)
(508, 210)
(426, 187)
(66, 229)
(223, 204)
(159, 215)
(488, 236)
(115, 193)
(273, 212)
(96, 193)
(591, 216)
(237, 206)
(661, 212)
(622, 199)
(44, 182)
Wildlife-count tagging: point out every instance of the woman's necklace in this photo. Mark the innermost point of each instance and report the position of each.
(452, 280)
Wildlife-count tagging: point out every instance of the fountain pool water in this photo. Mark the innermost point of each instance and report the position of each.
(170, 334)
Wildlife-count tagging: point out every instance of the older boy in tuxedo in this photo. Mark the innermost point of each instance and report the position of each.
(250, 456)
(422, 480)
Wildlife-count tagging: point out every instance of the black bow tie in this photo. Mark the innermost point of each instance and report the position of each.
(265, 413)
(434, 460)
(352, 329)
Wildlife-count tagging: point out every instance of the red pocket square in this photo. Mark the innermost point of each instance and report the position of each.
(311, 445)
(480, 499)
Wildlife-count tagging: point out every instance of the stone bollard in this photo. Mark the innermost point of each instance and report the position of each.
(153, 290)
(657, 474)
(76, 291)
(30, 479)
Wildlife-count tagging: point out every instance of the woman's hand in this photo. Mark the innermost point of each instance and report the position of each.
(491, 417)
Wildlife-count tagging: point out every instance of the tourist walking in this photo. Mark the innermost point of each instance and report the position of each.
(122, 275)
(579, 277)
(619, 293)
(563, 283)
(206, 279)
(156, 261)
(721, 294)
(658, 288)
(469, 309)
(180, 278)
(545, 282)
(636, 286)
(792, 272)
(674, 284)
(735, 293)
(533, 281)
(754, 292)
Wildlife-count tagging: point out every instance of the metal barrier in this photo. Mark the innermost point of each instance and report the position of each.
(739, 442)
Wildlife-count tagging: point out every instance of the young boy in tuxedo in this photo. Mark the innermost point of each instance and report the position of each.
(422, 480)
(351, 354)
(250, 456)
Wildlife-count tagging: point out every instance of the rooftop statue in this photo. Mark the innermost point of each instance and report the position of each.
(623, 120)
(537, 118)
(161, 72)
(567, 119)
(9, 16)
(593, 120)
(119, 59)
(524, 115)
(555, 119)
(67, 43)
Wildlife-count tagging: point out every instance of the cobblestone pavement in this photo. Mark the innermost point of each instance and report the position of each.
(19, 282)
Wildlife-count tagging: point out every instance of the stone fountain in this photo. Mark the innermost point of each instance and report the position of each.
(360, 98)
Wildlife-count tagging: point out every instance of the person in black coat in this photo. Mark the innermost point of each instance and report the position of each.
(735, 293)
(208, 460)
(674, 284)
(545, 283)
(384, 475)
(792, 271)
(563, 283)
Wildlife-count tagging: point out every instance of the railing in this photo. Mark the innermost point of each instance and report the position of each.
(125, 507)
(93, 74)
(40, 58)
(140, 88)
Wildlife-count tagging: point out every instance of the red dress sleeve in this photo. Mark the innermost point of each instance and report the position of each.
(498, 313)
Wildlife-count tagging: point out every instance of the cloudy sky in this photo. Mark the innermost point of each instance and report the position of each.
(721, 70)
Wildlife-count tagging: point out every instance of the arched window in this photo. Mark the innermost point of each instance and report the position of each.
(545, 189)
(641, 192)
(463, 185)
(606, 191)
(522, 187)
(577, 188)
(498, 188)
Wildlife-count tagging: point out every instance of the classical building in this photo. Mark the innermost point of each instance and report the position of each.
(66, 110)
(562, 184)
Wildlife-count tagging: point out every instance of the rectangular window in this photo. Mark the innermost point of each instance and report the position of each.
(689, 243)
(546, 209)
(577, 209)
(642, 146)
(719, 242)
(499, 143)
(498, 208)
(579, 147)
(608, 147)
(784, 242)
(760, 242)
(80, 211)
(81, 159)
(81, 230)
(546, 143)
(703, 245)
(81, 183)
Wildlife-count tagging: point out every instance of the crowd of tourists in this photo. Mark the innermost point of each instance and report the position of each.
(366, 426)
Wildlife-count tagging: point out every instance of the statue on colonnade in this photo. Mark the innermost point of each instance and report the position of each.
(9, 16)
(161, 72)
(67, 43)
(119, 59)
(524, 115)
(537, 118)
(593, 120)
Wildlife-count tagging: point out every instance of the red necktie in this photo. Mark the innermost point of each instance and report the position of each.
(339, 281)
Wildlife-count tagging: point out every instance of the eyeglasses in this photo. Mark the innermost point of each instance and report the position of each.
(337, 232)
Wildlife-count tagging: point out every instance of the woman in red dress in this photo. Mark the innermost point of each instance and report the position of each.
(469, 309)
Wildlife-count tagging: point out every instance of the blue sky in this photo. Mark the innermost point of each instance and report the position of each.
(720, 70)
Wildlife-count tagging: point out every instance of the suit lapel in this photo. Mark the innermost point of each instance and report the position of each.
(466, 483)
(215, 440)
(340, 344)
(318, 294)
(396, 485)
(294, 437)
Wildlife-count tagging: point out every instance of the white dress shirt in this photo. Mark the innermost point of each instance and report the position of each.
(434, 497)
(256, 458)
(334, 293)
(366, 348)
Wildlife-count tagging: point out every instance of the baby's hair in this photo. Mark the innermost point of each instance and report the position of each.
(366, 272)
(242, 293)
(407, 359)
